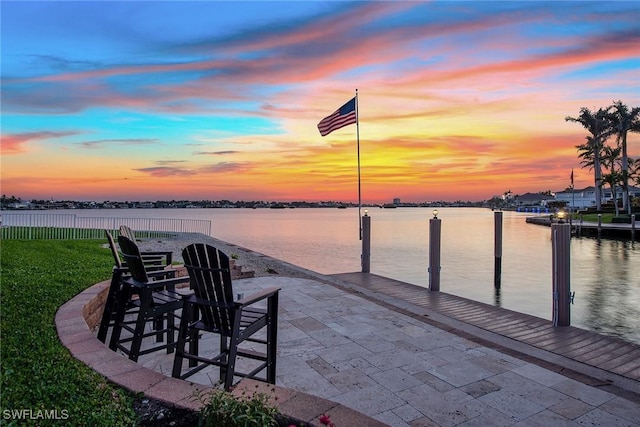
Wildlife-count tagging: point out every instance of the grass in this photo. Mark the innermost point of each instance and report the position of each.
(606, 217)
(37, 371)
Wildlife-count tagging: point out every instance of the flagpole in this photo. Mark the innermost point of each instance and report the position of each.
(359, 186)
(573, 197)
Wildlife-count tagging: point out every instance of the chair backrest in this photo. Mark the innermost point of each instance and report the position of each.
(114, 249)
(128, 233)
(133, 259)
(210, 277)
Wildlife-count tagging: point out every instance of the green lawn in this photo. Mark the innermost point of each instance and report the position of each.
(606, 217)
(37, 371)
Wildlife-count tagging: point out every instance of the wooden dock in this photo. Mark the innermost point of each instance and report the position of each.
(606, 354)
(587, 228)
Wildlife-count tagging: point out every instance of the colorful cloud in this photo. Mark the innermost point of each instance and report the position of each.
(220, 100)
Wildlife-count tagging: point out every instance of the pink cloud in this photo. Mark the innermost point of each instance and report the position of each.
(17, 143)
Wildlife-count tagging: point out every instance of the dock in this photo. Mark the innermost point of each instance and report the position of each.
(609, 359)
(588, 228)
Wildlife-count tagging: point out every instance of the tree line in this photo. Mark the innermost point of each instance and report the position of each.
(606, 148)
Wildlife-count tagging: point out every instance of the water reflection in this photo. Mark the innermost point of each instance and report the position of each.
(610, 288)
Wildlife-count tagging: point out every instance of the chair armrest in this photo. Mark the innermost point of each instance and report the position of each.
(258, 296)
(159, 272)
(193, 299)
(161, 283)
(231, 304)
(158, 254)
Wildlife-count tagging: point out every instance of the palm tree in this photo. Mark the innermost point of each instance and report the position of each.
(624, 121)
(598, 125)
(634, 170)
(610, 157)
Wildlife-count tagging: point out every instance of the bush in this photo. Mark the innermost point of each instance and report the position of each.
(222, 409)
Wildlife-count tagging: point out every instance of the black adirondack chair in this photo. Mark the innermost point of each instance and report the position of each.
(165, 257)
(158, 301)
(211, 308)
(127, 232)
(156, 265)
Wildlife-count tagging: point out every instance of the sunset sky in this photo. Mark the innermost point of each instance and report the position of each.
(209, 100)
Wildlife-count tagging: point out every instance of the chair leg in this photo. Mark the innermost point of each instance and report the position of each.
(145, 308)
(171, 326)
(194, 337)
(125, 295)
(158, 326)
(224, 352)
(229, 372)
(110, 305)
(182, 338)
(234, 339)
(272, 337)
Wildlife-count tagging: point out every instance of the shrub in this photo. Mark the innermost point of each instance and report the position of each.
(223, 409)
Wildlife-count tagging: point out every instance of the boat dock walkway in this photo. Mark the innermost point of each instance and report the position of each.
(609, 359)
(590, 228)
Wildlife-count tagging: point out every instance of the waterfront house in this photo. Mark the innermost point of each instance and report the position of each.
(581, 198)
(532, 199)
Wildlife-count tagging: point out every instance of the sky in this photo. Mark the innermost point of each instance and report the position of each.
(215, 100)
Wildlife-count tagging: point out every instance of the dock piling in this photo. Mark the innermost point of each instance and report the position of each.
(434, 252)
(561, 263)
(497, 273)
(366, 243)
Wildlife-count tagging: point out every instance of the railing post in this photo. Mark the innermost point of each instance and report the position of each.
(561, 253)
(434, 252)
(497, 273)
(366, 242)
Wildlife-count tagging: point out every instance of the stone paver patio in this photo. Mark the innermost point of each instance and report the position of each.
(404, 372)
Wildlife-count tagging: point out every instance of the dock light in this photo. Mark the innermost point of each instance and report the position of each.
(435, 214)
(366, 212)
(561, 215)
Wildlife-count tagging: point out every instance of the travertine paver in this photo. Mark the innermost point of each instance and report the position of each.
(404, 372)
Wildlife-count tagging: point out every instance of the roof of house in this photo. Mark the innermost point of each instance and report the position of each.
(533, 197)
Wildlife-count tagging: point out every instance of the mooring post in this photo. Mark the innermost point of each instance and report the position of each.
(434, 252)
(633, 227)
(497, 272)
(561, 253)
(579, 232)
(599, 225)
(366, 242)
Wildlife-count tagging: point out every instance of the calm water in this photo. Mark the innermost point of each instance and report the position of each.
(605, 274)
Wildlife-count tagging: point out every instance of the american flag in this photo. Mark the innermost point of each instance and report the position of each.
(342, 117)
(572, 177)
